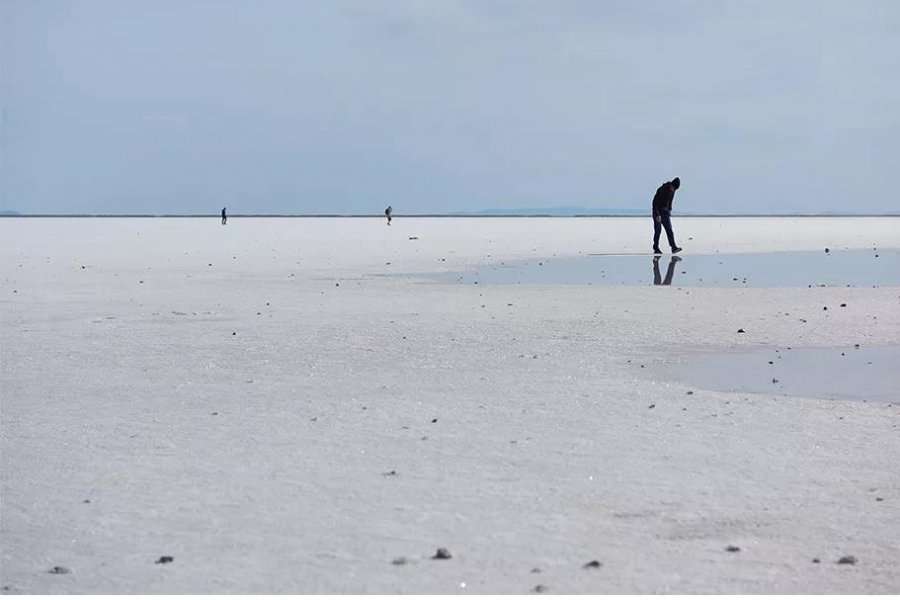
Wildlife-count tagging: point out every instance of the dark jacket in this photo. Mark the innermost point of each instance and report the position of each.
(662, 200)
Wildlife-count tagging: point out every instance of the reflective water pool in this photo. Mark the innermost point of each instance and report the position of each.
(850, 373)
(780, 269)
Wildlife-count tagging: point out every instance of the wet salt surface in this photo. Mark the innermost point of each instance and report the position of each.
(857, 268)
(869, 374)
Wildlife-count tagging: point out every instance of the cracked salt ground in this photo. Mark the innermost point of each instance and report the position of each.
(856, 268)
(868, 374)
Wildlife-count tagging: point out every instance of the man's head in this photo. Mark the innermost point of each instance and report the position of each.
(676, 183)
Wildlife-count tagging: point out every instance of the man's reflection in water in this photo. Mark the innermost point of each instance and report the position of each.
(670, 272)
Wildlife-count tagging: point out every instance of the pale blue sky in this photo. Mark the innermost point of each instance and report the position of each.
(344, 106)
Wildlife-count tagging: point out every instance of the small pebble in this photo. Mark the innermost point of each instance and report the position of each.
(741, 331)
(442, 554)
(60, 571)
(164, 559)
(847, 560)
(539, 588)
(652, 406)
(879, 499)
(843, 305)
(733, 548)
(816, 560)
(536, 570)
(690, 393)
(594, 564)
(434, 420)
(400, 560)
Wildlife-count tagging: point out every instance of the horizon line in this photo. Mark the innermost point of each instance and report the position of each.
(431, 216)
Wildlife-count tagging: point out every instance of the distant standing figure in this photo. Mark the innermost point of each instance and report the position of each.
(662, 214)
(224, 218)
(387, 212)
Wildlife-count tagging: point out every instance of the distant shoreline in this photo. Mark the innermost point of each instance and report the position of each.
(450, 216)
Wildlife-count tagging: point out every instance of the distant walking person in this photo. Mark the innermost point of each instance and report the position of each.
(224, 217)
(662, 214)
(388, 212)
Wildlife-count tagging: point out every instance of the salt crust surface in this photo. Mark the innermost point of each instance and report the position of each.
(234, 397)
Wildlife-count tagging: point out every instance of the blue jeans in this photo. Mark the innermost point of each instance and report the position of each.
(662, 218)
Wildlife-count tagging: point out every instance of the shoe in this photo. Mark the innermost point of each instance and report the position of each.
(676, 250)
(657, 251)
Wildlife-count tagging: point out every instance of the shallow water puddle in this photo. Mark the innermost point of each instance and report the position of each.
(858, 268)
(869, 374)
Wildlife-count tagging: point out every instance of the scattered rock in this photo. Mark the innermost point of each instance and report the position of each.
(827, 250)
(86, 501)
(215, 414)
(389, 473)
(847, 560)
(816, 560)
(60, 571)
(400, 560)
(824, 308)
(741, 331)
(442, 554)
(879, 499)
(732, 548)
(234, 333)
(536, 570)
(843, 305)
(434, 420)
(652, 406)
(164, 559)
(412, 237)
(594, 564)
(539, 588)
